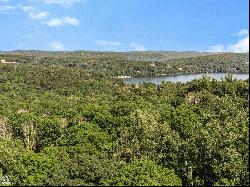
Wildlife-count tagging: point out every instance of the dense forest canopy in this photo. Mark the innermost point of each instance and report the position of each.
(65, 121)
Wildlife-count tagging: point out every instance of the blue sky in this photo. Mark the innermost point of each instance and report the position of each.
(125, 25)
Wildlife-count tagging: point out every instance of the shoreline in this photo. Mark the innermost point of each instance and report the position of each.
(177, 74)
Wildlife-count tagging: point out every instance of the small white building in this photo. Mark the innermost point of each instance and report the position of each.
(152, 64)
(3, 61)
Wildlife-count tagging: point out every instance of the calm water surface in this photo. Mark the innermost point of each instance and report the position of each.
(182, 78)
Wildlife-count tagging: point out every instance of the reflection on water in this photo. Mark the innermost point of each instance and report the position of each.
(183, 78)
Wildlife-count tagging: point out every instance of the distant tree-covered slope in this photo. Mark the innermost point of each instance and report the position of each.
(107, 65)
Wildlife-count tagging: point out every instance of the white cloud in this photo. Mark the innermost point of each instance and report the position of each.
(242, 32)
(31, 11)
(56, 46)
(65, 3)
(38, 15)
(217, 48)
(241, 46)
(107, 43)
(137, 46)
(71, 21)
(55, 22)
(34, 13)
(7, 8)
(27, 8)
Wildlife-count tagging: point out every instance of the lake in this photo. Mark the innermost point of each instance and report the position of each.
(182, 78)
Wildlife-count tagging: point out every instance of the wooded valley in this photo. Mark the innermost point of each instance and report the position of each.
(65, 120)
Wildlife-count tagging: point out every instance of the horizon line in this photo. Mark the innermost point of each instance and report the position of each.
(65, 51)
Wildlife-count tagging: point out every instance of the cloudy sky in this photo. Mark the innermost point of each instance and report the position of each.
(125, 25)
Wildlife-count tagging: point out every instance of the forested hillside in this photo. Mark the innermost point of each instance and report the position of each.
(108, 64)
(71, 124)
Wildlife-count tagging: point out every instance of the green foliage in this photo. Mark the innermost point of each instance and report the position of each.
(68, 124)
(144, 173)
